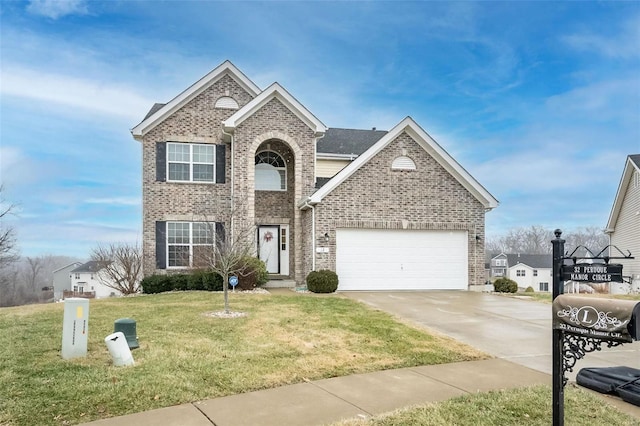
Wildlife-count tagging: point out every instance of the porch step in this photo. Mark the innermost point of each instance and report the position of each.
(280, 284)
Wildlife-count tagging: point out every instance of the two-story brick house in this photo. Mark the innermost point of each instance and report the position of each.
(385, 210)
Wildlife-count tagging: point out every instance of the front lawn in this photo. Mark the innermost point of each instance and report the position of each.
(529, 406)
(187, 356)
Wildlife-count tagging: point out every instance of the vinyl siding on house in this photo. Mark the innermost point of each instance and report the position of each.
(328, 168)
(626, 235)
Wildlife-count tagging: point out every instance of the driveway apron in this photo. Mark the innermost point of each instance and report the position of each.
(510, 328)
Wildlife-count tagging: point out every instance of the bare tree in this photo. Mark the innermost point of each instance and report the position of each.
(524, 240)
(591, 237)
(8, 244)
(537, 240)
(229, 252)
(121, 266)
(9, 286)
(31, 273)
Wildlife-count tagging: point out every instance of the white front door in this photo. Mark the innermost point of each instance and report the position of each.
(269, 247)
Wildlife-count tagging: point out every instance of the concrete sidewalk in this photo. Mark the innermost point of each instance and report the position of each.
(325, 401)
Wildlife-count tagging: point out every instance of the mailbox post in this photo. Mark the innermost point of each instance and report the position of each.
(557, 335)
(582, 324)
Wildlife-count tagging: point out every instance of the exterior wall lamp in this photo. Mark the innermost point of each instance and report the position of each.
(326, 237)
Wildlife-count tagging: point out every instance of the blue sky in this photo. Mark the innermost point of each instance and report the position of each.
(539, 101)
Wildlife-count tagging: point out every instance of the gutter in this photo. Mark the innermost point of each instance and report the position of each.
(306, 205)
(231, 183)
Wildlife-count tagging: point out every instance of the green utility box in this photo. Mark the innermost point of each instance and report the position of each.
(128, 327)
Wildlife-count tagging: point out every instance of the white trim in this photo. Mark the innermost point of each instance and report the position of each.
(403, 163)
(226, 68)
(329, 156)
(278, 92)
(625, 180)
(226, 102)
(409, 126)
(191, 163)
(190, 244)
(278, 169)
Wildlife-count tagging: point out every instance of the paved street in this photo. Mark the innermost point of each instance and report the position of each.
(510, 328)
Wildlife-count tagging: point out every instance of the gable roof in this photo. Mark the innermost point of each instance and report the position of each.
(75, 264)
(409, 126)
(347, 143)
(632, 164)
(159, 112)
(90, 266)
(275, 91)
(532, 260)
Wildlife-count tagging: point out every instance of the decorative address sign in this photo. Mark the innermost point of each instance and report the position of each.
(592, 272)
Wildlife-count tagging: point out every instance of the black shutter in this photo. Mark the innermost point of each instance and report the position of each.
(161, 245)
(221, 170)
(161, 161)
(220, 237)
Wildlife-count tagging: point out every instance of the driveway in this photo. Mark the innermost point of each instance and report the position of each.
(510, 328)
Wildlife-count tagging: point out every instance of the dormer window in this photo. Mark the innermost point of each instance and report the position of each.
(226, 102)
(403, 163)
(271, 172)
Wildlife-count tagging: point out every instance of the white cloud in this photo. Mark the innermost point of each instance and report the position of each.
(55, 9)
(17, 169)
(122, 201)
(599, 101)
(90, 95)
(623, 45)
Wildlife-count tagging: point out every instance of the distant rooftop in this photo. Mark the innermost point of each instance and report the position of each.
(90, 266)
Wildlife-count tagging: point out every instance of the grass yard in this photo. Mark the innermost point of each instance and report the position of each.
(526, 406)
(186, 356)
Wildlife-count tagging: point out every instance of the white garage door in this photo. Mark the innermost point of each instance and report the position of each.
(375, 259)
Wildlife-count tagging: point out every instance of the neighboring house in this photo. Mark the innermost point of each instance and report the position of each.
(623, 226)
(87, 282)
(384, 209)
(528, 270)
(62, 279)
(499, 266)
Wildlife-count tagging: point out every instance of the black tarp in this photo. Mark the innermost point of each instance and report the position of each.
(621, 381)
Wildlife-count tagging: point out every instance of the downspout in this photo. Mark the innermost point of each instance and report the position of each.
(313, 209)
(313, 233)
(232, 186)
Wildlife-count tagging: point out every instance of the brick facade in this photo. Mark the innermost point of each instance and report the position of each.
(375, 196)
(197, 122)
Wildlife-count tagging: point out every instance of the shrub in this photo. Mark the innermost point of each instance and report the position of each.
(529, 290)
(180, 282)
(156, 284)
(323, 281)
(198, 280)
(505, 285)
(254, 274)
(204, 280)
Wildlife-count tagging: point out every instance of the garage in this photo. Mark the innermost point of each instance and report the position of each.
(391, 259)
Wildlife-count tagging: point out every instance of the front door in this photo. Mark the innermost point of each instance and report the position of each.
(269, 247)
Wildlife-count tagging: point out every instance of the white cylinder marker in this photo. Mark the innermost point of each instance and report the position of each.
(119, 349)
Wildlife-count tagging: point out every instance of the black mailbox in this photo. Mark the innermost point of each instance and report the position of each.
(598, 318)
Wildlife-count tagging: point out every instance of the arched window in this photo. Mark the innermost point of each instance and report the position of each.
(271, 172)
(226, 102)
(403, 163)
